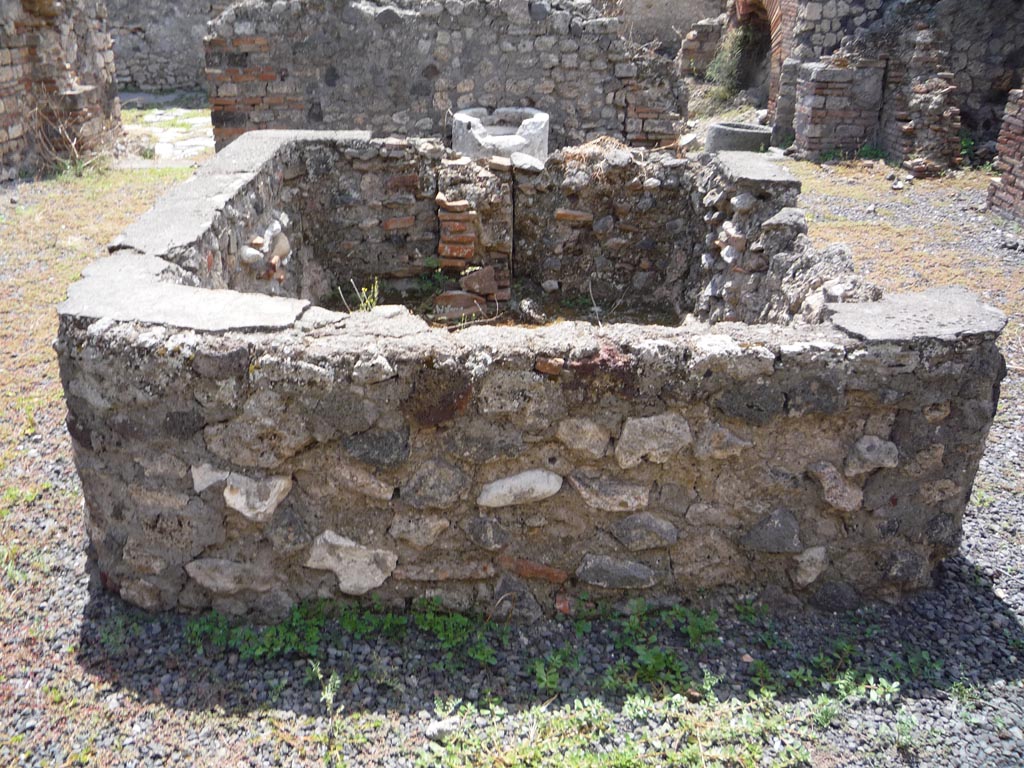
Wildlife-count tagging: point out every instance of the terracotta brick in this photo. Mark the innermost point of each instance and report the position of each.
(401, 222)
(530, 569)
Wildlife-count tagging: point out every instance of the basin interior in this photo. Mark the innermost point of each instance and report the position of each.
(600, 227)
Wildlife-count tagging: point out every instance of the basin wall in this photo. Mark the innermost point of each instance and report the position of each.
(246, 451)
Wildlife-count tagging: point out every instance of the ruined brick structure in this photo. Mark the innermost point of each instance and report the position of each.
(246, 451)
(901, 77)
(158, 44)
(1006, 194)
(400, 69)
(56, 81)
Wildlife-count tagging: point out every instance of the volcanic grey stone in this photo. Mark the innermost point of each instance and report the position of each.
(870, 453)
(754, 167)
(487, 533)
(225, 577)
(179, 306)
(419, 531)
(610, 495)
(614, 573)
(777, 533)
(655, 438)
(435, 484)
(645, 531)
(583, 436)
(739, 137)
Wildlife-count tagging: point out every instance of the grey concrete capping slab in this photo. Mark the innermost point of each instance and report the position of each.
(941, 313)
(244, 449)
(133, 297)
(754, 167)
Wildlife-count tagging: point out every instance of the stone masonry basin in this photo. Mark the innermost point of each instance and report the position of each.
(243, 448)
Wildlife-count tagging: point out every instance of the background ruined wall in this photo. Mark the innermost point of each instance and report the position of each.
(1006, 194)
(907, 78)
(666, 21)
(158, 44)
(56, 66)
(402, 69)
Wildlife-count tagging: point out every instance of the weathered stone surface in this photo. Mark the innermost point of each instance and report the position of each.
(871, 453)
(225, 577)
(204, 476)
(944, 313)
(644, 531)
(810, 564)
(610, 495)
(447, 570)
(487, 533)
(359, 569)
(583, 436)
(836, 597)
(379, 447)
(361, 481)
(372, 369)
(524, 488)
(435, 484)
(776, 533)
(835, 489)
(513, 598)
(419, 531)
(712, 515)
(256, 499)
(717, 442)
(654, 438)
(614, 573)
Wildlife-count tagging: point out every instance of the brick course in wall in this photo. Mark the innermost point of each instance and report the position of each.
(1006, 194)
(400, 70)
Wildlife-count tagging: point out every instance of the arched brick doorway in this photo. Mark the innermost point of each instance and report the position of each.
(780, 16)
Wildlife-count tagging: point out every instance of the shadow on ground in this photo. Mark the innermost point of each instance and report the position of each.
(961, 633)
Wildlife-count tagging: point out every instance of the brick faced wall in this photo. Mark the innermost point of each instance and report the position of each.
(1006, 194)
(837, 107)
(400, 70)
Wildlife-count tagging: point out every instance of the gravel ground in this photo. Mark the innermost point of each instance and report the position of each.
(85, 679)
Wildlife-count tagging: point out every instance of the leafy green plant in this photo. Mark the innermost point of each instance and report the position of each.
(870, 152)
(700, 629)
(454, 631)
(750, 611)
(654, 664)
(824, 711)
(329, 687)
(361, 623)
(726, 69)
(903, 733)
(547, 671)
(299, 634)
